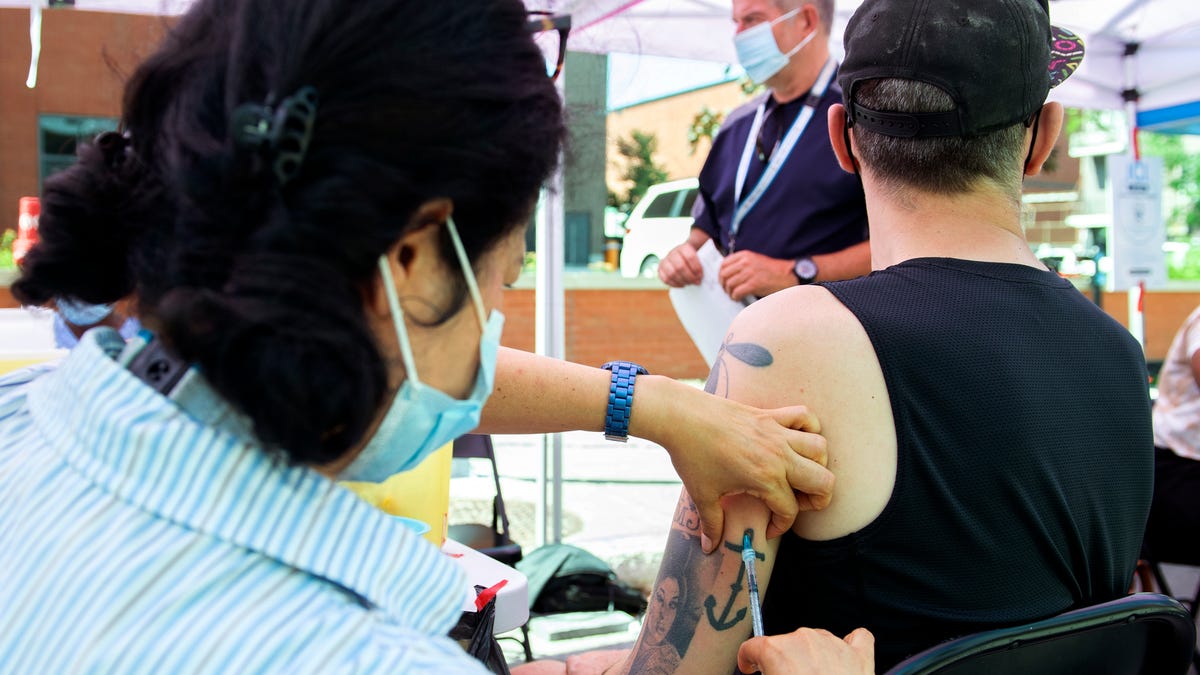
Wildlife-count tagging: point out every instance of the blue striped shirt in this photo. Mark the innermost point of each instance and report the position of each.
(134, 538)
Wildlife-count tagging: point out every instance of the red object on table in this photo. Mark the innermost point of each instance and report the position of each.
(28, 212)
(487, 594)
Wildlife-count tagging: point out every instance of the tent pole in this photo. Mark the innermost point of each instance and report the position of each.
(35, 42)
(549, 320)
(1136, 294)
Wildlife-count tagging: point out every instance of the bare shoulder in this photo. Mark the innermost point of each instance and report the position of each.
(796, 330)
(811, 310)
(802, 346)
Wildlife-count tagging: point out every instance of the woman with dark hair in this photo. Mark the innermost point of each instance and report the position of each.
(314, 206)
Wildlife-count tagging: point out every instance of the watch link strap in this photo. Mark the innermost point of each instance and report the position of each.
(620, 398)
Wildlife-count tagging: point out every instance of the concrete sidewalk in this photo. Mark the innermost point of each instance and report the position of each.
(618, 500)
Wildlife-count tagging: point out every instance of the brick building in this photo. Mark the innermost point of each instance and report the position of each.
(85, 59)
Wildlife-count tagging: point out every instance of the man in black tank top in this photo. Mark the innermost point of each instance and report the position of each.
(988, 426)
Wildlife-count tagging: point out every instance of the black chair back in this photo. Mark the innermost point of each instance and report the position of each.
(475, 446)
(495, 540)
(1140, 633)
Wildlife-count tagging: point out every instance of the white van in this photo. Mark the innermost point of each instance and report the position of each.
(661, 221)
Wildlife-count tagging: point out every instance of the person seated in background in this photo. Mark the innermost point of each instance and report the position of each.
(1173, 530)
(314, 207)
(988, 426)
(73, 318)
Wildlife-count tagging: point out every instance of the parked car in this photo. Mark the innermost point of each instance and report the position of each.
(660, 222)
(1065, 261)
(1058, 259)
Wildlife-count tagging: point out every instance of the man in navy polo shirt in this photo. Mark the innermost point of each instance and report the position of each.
(773, 198)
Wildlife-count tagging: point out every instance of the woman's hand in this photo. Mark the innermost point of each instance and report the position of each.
(809, 651)
(721, 447)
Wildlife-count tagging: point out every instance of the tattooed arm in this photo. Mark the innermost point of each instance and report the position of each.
(699, 612)
(711, 613)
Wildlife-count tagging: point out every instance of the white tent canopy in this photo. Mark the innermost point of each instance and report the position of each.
(1164, 69)
(1149, 48)
(690, 29)
(599, 26)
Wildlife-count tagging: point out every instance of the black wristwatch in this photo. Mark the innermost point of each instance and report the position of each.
(805, 270)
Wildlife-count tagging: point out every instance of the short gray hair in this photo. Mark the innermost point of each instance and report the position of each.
(941, 165)
(824, 9)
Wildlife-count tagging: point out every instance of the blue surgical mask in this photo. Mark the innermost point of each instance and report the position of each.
(82, 314)
(422, 419)
(759, 54)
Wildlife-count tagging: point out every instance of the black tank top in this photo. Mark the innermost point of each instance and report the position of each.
(1025, 461)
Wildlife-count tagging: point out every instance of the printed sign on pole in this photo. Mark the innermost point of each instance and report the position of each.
(1138, 233)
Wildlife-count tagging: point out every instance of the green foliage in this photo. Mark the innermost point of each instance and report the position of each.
(1103, 123)
(1181, 180)
(705, 124)
(749, 88)
(1051, 164)
(1181, 174)
(1187, 269)
(640, 169)
(1079, 119)
(6, 253)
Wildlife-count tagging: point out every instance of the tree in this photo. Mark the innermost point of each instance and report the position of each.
(750, 87)
(1082, 119)
(6, 254)
(640, 169)
(1181, 174)
(705, 124)
(1181, 168)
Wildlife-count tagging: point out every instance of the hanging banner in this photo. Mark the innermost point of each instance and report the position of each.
(1138, 232)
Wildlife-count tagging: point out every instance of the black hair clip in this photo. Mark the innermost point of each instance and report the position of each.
(282, 132)
(114, 147)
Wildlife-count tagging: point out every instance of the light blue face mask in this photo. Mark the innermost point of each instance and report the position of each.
(759, 54)
(82, 314)
(422, 419)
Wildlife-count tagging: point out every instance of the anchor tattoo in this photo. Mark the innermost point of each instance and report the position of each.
(710, 603)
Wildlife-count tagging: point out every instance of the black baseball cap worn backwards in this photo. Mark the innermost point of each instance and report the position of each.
(997, 59)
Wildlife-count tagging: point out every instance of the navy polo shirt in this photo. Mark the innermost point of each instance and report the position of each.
(811, 207)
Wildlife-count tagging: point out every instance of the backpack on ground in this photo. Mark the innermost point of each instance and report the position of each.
(565, 578)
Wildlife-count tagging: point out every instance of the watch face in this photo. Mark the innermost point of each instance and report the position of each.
(806, 269)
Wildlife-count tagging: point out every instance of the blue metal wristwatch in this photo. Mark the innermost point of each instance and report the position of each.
(620, 398)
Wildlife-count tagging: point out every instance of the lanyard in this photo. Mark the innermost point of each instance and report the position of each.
(779, 156)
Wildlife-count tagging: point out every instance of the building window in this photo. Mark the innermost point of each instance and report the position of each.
(58, 136)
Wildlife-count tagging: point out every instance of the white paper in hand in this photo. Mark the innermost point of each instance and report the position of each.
(705, 310)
